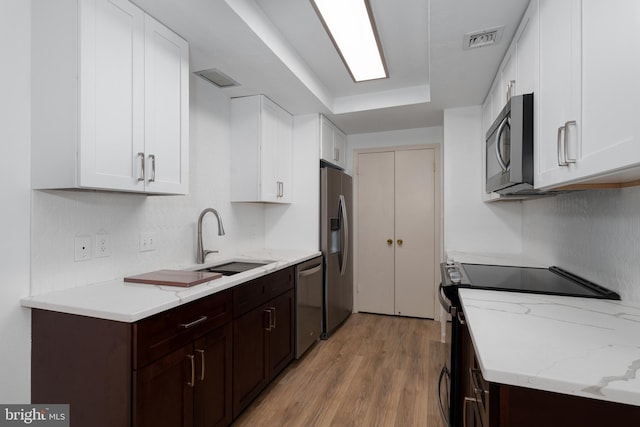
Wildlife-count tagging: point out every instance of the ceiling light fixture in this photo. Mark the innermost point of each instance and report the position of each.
(352, 30)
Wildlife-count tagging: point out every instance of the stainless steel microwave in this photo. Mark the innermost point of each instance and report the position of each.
(509, 148)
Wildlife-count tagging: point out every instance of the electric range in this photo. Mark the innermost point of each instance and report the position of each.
(549, 281)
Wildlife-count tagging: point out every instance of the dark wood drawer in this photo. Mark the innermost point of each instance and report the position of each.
(250, 295)
(280, 281)
(167, 331)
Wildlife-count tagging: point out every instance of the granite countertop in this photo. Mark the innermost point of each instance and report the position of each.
(577, 346)
(130, 302)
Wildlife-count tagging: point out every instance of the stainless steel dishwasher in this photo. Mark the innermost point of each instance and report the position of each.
(308, 304)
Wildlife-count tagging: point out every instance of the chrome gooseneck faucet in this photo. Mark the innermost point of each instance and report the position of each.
(202, 253)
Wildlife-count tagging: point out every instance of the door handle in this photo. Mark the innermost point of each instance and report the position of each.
(400, 242)
(389, 242)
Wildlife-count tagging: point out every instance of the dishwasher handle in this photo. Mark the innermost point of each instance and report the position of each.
(310, 271)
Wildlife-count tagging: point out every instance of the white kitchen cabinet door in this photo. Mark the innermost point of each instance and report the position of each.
(397, 238)
(111, 94)
(588, 132)
(261, 151)
(610, 111)
(88, 96)
(559, 95)
(166, 110)
(332, 143)
(527, 52)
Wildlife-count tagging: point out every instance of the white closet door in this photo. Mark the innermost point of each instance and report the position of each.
(376, 269)
(414, 233)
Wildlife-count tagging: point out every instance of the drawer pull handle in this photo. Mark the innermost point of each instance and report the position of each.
(193, 370)
(201, 364)
(194, 323)
(268, 328)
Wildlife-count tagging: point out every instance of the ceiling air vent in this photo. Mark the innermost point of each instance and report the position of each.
(217, 77)
(482, 38)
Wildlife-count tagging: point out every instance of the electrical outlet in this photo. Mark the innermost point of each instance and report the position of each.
(147, 241)
(82, 248)
(103, 245)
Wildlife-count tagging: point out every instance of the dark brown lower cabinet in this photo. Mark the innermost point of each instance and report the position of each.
(196, 365)
(189, 387)
(498, 405)
(263, 347)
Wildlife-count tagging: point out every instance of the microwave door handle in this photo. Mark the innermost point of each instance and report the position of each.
(503, 165)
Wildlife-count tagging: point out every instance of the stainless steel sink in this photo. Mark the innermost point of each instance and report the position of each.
(234, 267)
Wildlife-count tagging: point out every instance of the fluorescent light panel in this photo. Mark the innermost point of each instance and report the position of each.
(352, 29)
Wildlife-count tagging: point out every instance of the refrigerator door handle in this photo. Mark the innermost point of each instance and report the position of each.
(345, 234)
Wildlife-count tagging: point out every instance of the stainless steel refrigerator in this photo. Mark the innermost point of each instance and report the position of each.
(336, 245)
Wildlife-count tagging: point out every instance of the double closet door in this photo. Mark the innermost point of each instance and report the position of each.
(398, 234)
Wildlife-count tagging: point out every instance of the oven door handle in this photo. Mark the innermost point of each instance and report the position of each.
(444, 374)
(444, 302)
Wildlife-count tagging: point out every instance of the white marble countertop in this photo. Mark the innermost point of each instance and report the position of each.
(130, 302)
(578, 346)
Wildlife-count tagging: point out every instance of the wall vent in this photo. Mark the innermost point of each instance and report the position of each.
(217, 77)
(482, 38)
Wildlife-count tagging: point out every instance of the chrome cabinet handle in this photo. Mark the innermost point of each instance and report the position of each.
(561, 150)
(464, 409)
(202, 364)
(461, 318)
(193, 370)
(567, 125)
(152, 157)
(268, 328)
(272, 318)
(141, 158)
(336, 154)
(194, 323)
(279, 189)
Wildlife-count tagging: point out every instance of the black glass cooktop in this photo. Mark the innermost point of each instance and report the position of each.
(553, 281)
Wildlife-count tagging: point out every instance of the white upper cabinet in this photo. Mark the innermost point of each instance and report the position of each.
(526, 42)
(559, 95)
(166, 109)
(589, 62)
(261, 151)
(109, 99)
(332, 143)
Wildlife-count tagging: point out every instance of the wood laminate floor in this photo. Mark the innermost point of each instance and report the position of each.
(374, 371)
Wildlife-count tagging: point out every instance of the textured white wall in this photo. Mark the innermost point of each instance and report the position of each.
(15, 184)
(470, 225)
(59, 216)
(595, 234)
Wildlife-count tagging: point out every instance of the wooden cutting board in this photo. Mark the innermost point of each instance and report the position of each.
(180, 278)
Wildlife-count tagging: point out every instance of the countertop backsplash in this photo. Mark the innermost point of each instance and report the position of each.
(594, 233)
(59, 216)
